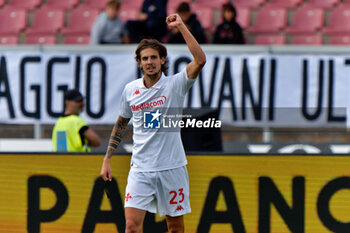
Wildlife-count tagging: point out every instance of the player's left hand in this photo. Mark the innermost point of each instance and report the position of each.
(106, 171)
(174, 20)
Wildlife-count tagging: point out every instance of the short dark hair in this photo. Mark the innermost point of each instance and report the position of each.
(73, 95)
(183, 7)
(154, 44)
(229, 7)
(113, 4)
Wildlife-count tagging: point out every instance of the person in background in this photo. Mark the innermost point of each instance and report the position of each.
(151, 23)
(228, 32)
(108, 27)
(71, 133)
(192, 23)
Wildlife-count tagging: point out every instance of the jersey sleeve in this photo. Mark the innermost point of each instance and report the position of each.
(182, 83)
(125, 109)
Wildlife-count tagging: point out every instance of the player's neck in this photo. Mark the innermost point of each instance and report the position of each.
(149, 81)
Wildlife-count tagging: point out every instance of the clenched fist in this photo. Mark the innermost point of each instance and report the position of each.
(174, 20)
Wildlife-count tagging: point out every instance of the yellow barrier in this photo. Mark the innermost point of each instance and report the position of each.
(62, 193)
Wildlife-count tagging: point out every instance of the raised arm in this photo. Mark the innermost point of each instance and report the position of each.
(194, 67)
(114, 141)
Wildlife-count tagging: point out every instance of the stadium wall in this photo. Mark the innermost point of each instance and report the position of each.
(229, 193)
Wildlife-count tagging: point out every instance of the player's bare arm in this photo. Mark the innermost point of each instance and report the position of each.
(116, 135)
(114, 141)
(194, 67)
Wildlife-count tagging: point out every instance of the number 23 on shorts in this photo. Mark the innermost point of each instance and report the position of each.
(175, 194)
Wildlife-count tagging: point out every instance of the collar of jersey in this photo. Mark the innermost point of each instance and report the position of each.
(156, 85)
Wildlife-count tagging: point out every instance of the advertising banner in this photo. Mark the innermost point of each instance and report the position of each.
(254, 89)
(256, 193)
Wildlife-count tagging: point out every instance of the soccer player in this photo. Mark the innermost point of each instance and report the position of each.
(158, 175)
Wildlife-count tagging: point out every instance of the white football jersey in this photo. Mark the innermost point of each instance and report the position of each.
(155, 149)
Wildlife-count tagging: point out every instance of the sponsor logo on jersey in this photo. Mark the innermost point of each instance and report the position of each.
(155, 102)
(152, 120)
(137, 92)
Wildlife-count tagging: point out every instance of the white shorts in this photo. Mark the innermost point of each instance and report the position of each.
(168, 190)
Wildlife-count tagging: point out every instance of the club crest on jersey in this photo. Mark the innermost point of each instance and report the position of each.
(152, 120)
